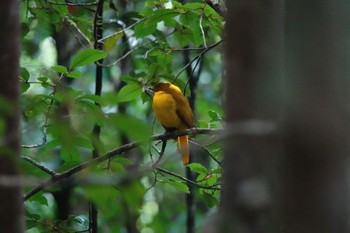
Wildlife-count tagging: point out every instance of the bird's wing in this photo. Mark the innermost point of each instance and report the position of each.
(183, 110)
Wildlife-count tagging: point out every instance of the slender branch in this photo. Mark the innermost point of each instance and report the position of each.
(212, 187)
(44, 126)
(208, 151)
(199, 56)
(73, 4)
(79, 31)
(202, 30)
(31, 146)
(39, 165)
(249, 128)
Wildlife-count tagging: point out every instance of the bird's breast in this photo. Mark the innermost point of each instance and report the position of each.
(164, 107)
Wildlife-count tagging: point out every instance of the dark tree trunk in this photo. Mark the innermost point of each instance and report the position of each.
(317, 129)
(308, 190)
(253, 81)
(11, 201)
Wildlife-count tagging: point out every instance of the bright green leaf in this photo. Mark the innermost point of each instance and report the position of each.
(144, 28)
(87, 56)
(128, 79)
(43, 79)
(197, 167)
(149, 25)
(74, 74)
(128, 93)
(178, 185)
(193, 6)
(59, 69)
(214, 116)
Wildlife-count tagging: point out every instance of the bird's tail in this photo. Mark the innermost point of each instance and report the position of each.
(184, 149)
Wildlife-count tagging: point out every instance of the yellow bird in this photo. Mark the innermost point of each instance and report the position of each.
(174, 113)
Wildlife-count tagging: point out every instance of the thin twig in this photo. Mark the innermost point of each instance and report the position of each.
(208, 151)
(199, 56)
(212, 187)
(202, 30)
(39, 165)
(73, 4)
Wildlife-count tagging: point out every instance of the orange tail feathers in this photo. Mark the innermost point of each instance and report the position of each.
(184, 149)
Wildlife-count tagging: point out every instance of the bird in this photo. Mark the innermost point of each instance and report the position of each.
(174, 113)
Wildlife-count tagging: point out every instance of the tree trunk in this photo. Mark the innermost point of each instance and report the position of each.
(11, 200)
(253, 104)
(317, 129)
(308, 190)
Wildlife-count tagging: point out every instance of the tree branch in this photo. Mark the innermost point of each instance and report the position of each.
(73, 4)
(55, 177)
(252, 127)
(211, 187)
(39, 165)
(220, 8)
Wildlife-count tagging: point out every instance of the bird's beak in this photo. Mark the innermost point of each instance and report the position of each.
(149, 90)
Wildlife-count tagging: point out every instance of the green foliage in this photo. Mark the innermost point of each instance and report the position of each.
(86, 56)
(157, 41)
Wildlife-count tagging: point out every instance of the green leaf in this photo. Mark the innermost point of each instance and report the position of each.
(145, 97)
(149, 25)
(43, 79)
(144, 28)
(87, 56)
(129, 79)
(111, 41)
(178, 185)
(214, 116)
(41, 199)
(60, 8)
(197, 167)
(24, 74)
(24, 86)
(164, 59)
(193, 6)
(60, 69)
(128, 93)
(210, 200)
(93, 98)
(183, 37)
(74, 74)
